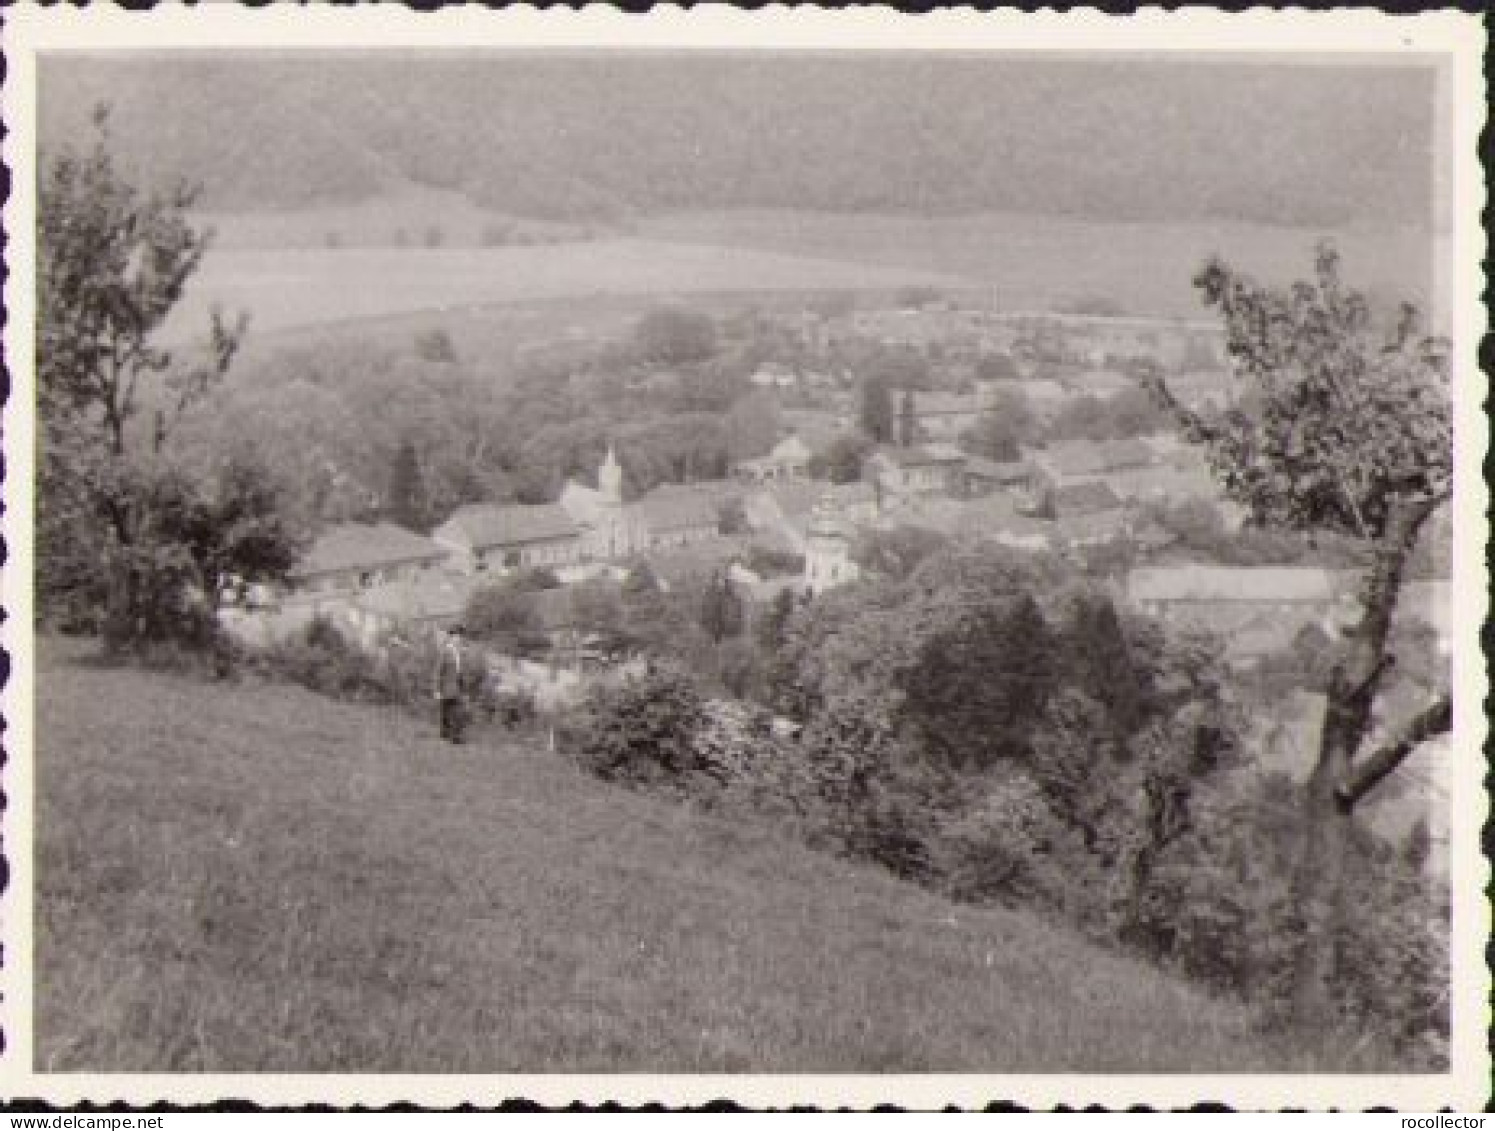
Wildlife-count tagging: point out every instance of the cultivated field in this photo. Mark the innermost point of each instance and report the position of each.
(295, 287)
(1042, 262)
(255, 878)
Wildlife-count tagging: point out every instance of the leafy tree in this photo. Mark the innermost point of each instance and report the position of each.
(1352, 435)
(505, 617)
(898, 551)
(642, 727)
(997, 367)
(407, 501)
(597, 610)
(1000, 429)
(721, 613)
(768, 632)
(973, 695)
(840, 461)
(673, 335)
(113, 262)
(752, 425)
(908, 422)
(875, 410)
(436, 345)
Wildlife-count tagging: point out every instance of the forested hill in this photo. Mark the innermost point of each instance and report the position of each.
(603, 136)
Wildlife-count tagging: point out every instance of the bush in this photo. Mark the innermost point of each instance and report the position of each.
(640, 727)
(321, 658)
(1005, 847)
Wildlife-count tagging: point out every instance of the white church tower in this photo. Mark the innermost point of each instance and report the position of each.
(611, 529)
(827, 550)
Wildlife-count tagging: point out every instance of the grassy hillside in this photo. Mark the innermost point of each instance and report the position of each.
(251, 877)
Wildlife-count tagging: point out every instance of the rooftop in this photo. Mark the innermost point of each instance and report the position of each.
(1197, 582)
(489, 524)
(359, 545)
(1086, 458)
(1077, 499)
(676, 508)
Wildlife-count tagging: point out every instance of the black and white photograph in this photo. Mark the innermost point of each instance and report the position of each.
(767, 557)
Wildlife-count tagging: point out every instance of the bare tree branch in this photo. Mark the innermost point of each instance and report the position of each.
(1366, 774)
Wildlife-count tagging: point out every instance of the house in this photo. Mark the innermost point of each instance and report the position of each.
(1082, 500)
(984, 476)
(905, 473)
(789, 459)
(944, 416)
(1255, 610)
(674, 516)
(855, 502)
(1045, 396)
(432, 600)
(828, 550)
(484, 536)
(355, 555)
(781, 512)
(1084, 461)
(773, 376)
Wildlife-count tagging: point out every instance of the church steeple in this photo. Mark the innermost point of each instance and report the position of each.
(610, 478)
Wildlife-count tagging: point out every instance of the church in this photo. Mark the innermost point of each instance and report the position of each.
(612, 530)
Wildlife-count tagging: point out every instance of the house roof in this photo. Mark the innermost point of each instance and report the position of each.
(1096, 526)
(848, 494)
(1086, 458)
(675, 508)
(488, 524)
(1198, 582)
(919, 456)
(791, 449)
(938, 404)
(1074, 499)
(359, 545)
(794, 497)
(944, 453)
(1012, 472)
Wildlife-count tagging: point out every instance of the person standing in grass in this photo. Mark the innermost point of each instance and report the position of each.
(449, 686)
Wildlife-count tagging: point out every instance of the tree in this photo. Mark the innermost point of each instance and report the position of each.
(908, 422)
(113, 262)
(407, 492)
(721, 613)
(875, 412)
(1351, 435)
(231, 527)
(997, 367)
(752, 425)
(1000, 429)
(840, 461)
(673, 335)
(435, 345)
(506, 618)
(897, 551)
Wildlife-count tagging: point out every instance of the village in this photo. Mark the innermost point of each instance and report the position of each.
(792, 520)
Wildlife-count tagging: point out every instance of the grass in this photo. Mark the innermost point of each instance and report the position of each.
(251, 877)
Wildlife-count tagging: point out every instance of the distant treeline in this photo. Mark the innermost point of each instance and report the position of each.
(605, 136)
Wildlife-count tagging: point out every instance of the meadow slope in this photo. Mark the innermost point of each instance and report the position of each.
(251, 877)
